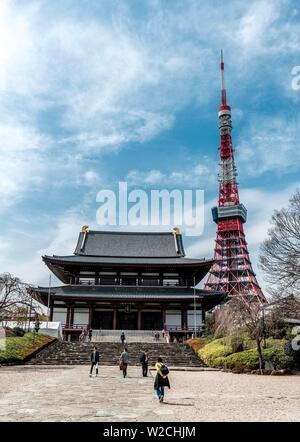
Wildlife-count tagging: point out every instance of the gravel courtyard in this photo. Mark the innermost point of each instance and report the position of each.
(31, 393)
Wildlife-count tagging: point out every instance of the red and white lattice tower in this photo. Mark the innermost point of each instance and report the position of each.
(232, 270)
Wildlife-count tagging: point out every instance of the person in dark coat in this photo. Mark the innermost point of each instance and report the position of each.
(144, 361)
(122, 337)
(161, 380)
(95, 357)
(90, 334)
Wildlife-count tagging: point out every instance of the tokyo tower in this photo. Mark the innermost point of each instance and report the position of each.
(232, 270)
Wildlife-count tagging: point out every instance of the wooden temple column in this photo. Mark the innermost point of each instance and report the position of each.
(139, 279)
(68, 315)
(71, 323)
(163, 317)
(115, 318)
(90, 316)
(139, 321)
(161, 279)
(184, 318)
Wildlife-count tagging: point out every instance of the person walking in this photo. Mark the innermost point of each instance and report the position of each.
(122, 337)
(95, 357)
(90, 334)
(81, 337)
(161, 379)
(124, 362)
(144, 361)
(85, 332)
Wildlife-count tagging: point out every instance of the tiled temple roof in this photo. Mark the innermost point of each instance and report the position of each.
(130, 244)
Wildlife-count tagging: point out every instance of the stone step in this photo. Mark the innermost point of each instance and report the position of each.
(73, 353)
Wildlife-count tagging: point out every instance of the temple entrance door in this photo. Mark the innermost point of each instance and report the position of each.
(152, 321)
(127, 321)
(102, 320)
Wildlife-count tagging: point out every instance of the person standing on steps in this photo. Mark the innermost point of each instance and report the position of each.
(161, 379)
(95, 357)
(122, 337)
(124, 362)
(81, 337)
(90, 334)
(144, 361)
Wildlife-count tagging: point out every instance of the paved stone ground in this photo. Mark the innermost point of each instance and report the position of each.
(61, 393)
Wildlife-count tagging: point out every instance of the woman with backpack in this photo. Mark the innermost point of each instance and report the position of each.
(161, 379)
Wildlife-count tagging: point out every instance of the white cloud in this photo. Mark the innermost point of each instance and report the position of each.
(112, 80)
(52, 237)
(260, 205)
(255, 27)
(204, 173)
(91, 177)
(269, 144)
(87, 83)
(21, 164)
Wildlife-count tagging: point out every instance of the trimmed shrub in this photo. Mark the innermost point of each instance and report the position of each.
(276, 353)
(220, 361)
(231, 353)
(212, 352)
(247, 359)
(196, 344)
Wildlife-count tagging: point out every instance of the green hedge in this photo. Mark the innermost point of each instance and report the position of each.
(214, 353)
(247, 359)
(277, 355)
(17, 349)
(220, 353)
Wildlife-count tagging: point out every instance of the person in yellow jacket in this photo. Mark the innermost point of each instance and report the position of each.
(161, 379)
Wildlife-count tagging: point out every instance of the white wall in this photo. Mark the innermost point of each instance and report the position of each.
(59, 314)
(81, 316)
(173, 318)
(191, 320)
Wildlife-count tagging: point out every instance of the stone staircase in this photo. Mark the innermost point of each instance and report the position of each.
(131, 336)
(74, 353)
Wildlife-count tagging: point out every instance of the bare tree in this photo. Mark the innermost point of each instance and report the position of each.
(280, 252)
(13, 296)
(240, 313)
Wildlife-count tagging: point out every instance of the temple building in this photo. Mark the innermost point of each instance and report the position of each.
(128, 281)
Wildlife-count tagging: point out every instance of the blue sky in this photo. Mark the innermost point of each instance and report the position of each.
(95, 92)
